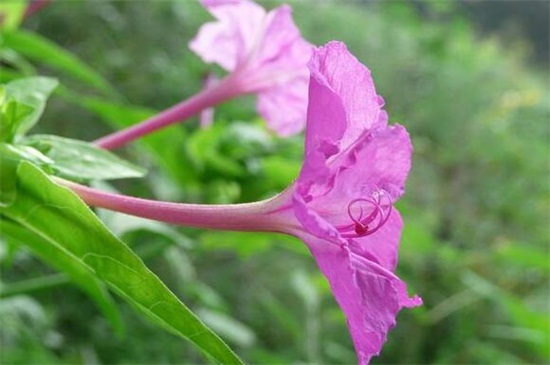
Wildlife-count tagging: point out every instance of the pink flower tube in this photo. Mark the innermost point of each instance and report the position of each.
(341, 204)
(265, 55)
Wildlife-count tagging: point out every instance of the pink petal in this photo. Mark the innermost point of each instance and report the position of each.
(369, 295)
(280, 47)
(344, 109)
(381, 160)
(325, 127)
(229, 40)
(343, 105)
(313, 223)
(382, 247)
(283, 107)
(335, 68)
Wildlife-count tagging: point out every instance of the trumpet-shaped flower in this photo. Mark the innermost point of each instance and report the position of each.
(355, 169)
(264, 53)
(341, 204)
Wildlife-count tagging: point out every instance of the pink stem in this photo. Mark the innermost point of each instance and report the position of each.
(208, 97)
(257, 216)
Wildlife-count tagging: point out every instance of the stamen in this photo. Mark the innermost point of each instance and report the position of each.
(378, 214)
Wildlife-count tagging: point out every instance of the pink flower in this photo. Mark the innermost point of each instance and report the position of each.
(355, 169)
(265, 54)
(341, 205)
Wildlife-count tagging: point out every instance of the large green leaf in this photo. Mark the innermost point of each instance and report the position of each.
(81, 160)
(22, 103)
(63, 220)
(48, 53)
(63, 261)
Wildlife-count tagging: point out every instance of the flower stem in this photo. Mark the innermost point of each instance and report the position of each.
(208, 97)
(255, 216)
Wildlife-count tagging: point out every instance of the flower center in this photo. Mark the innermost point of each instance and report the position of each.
(368, 215)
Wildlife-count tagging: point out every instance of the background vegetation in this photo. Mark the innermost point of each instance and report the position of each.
(475, 245)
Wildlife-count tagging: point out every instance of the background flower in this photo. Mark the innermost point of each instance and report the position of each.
(266, 55)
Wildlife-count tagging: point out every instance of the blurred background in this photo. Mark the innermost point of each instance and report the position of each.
(470, 82)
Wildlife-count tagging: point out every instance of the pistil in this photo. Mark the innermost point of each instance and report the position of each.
(366, 224)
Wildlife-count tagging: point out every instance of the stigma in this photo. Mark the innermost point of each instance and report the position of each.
(367, 215)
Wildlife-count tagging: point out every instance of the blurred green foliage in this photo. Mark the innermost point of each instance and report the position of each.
(475, 244)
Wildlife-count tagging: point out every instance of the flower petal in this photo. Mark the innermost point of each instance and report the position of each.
(381, 160)
(369, 295)
(229, 40)
(344, 108)
(280, 47)
(323, 131)
(334, 67)
(283, 107)
(313, 223)
(382, 246)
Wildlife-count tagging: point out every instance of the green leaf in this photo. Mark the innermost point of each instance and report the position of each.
(22, 103)
(62, 260)
(58, 215)
(81, 160)
(46, 52)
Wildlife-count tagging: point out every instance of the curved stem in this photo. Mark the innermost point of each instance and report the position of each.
(208, 97)
(266, 215)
